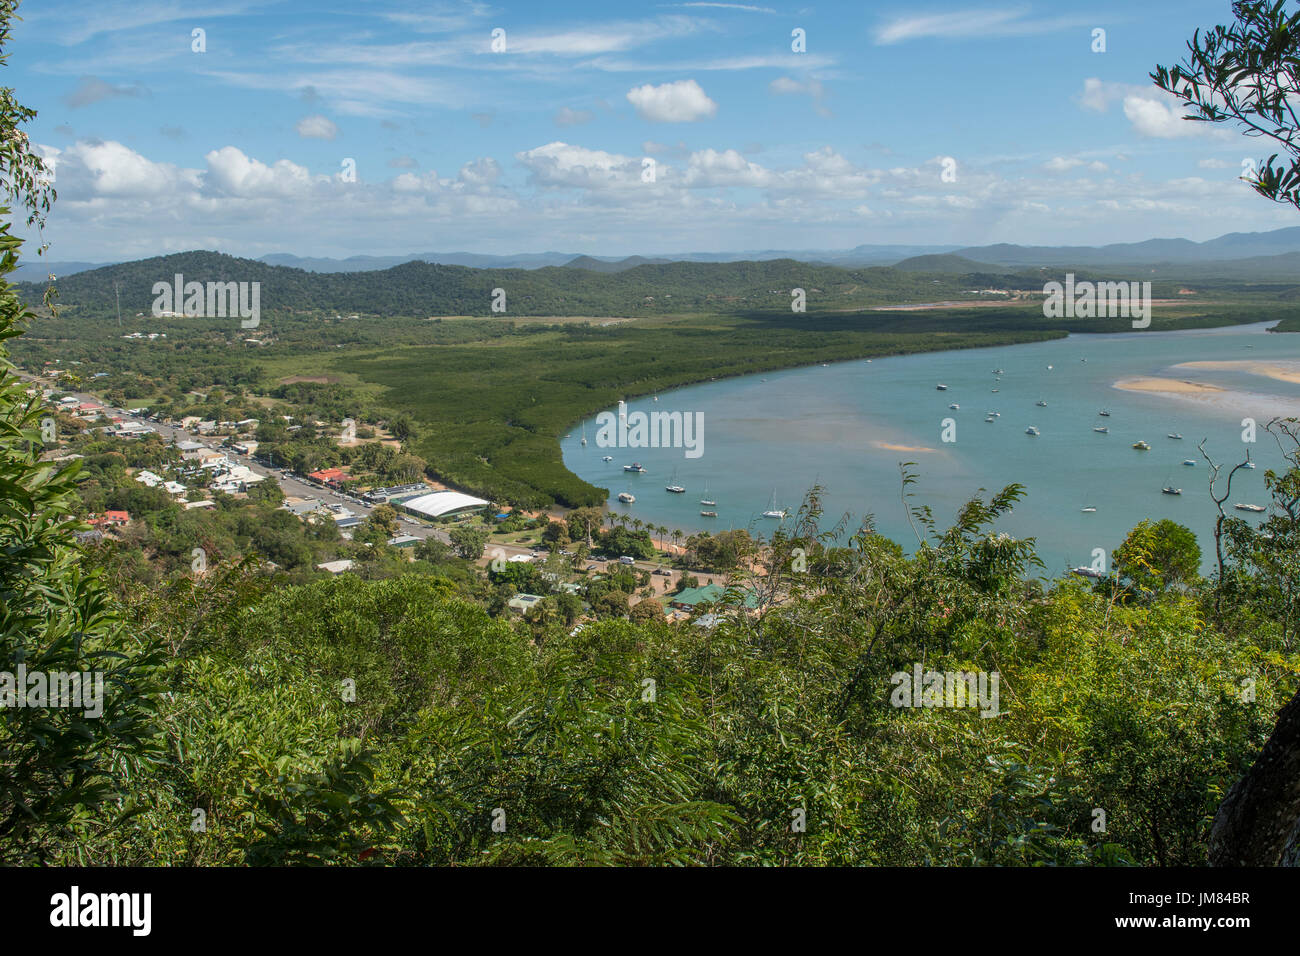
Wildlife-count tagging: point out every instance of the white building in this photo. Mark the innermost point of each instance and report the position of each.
(439, 504)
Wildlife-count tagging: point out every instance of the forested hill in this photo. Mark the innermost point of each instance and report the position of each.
(421, 288)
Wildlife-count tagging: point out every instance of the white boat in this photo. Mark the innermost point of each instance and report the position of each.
(1190, 462)
(1175, 436)
(673, 486)
(772, 510)
(1104, 414)
(989, 419)
(1257, 509)
(584, 433)
(1171, 490)
(626, 497)
(1031, 430)
(1102, 429)
(942, 388)
(1040, 403)
(635, 466)
(607, 458)
(1086, 572)
(706, 500)
(955, 407)
(708, 514)
(1088, 510)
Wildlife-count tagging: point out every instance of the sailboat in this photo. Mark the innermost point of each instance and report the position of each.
(584, 433)
(1168, 488)
(707, 501)
(673, 486)
(772, 510)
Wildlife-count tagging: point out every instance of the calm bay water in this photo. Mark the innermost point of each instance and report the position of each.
(781, 432)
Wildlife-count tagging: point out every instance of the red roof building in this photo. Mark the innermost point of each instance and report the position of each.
(329, 476)
(109, 519)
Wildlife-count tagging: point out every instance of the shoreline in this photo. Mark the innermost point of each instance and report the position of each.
(1279, 370)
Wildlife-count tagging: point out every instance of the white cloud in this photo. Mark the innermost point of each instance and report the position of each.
(727, 168)
(109, 169)
(560, 164)
(1006, 21)
(316, 127)
(745, 7)
(1159, 120)
(231, 173)
(681, 102)
(1153, 113)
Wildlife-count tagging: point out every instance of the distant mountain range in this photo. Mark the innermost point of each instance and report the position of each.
(1254, 246)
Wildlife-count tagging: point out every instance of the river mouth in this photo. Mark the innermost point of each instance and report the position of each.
(851, 427)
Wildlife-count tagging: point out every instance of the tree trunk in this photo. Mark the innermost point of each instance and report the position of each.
(1258, 817)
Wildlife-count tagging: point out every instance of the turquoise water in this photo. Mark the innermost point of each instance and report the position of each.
(784, 431)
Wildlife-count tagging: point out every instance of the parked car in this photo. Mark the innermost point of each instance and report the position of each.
(625, 559)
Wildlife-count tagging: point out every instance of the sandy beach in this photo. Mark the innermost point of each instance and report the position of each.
(890, 446)
(1166, 386)
(1280, 371)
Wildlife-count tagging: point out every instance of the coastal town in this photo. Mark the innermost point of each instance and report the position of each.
(208, 459)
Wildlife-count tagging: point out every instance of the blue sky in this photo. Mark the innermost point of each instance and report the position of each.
(245, 146)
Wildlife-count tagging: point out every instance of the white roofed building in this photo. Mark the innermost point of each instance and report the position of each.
(440, 504)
